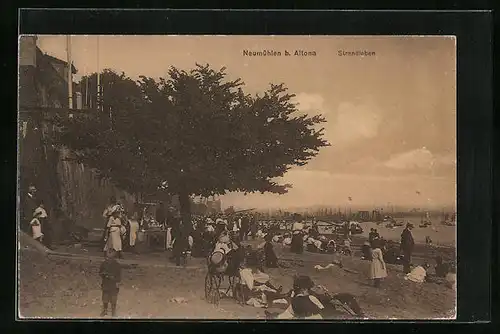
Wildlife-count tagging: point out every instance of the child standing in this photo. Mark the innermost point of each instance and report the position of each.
(36, 225)
(378, 269)
(110, 272)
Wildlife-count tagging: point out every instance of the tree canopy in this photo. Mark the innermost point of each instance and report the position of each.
(194, 132)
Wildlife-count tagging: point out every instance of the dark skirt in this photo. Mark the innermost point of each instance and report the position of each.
(270, 256)
(297, 245)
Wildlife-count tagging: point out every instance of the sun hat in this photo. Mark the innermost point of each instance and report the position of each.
(216, 258)
(40, 213)
(116, 208)
(217, 261)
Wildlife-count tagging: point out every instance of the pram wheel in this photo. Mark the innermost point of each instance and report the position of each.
(212, 284)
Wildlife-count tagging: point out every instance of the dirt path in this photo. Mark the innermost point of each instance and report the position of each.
(64, 288)
(61, 287)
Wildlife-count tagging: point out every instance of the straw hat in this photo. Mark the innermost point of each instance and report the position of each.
(115, 209)
(218, 261)
(40, 213)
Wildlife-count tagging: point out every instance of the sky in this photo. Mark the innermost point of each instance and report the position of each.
(391, 116)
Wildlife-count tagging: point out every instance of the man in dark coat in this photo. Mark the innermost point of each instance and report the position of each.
(245, 224)
(253, 227)
(407, 244)
(29, 204)
(181, 244)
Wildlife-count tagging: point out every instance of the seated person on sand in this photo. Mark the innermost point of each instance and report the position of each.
(287, 239)
(418, 274)
(391, 253)
(256, 286)
(324, 242)
(444, 274)
(314, 245)
(345, 302)
(441, 268)
(346, 247)
(303, 305)
(331, 247)
(310, 301)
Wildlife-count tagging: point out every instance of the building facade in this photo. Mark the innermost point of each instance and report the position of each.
(73, 193)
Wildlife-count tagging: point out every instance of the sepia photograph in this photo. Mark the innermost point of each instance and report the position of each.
(236, 177)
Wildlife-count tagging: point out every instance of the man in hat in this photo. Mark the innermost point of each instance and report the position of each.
(245, 223)
(180, 244)
(407, 244)
(30, 203)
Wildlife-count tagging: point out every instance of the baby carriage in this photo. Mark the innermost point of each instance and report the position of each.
(222, 267)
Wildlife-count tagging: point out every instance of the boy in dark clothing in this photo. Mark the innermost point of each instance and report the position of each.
(110, 272)
(270, 256)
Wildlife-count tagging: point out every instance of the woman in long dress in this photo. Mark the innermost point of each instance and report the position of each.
(378, 269)
(106, 215)
(115, 230)
(134, 229)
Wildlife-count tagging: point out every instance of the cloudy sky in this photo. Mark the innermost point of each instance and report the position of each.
(390, 117)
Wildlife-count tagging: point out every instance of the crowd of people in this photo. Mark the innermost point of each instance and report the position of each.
(219, 238)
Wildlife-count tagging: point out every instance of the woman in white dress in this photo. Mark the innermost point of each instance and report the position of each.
(378, 270)
(134, 229)
(115, 230)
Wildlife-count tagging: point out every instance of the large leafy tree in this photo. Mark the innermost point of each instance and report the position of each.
(107, 139)
(194, 133)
